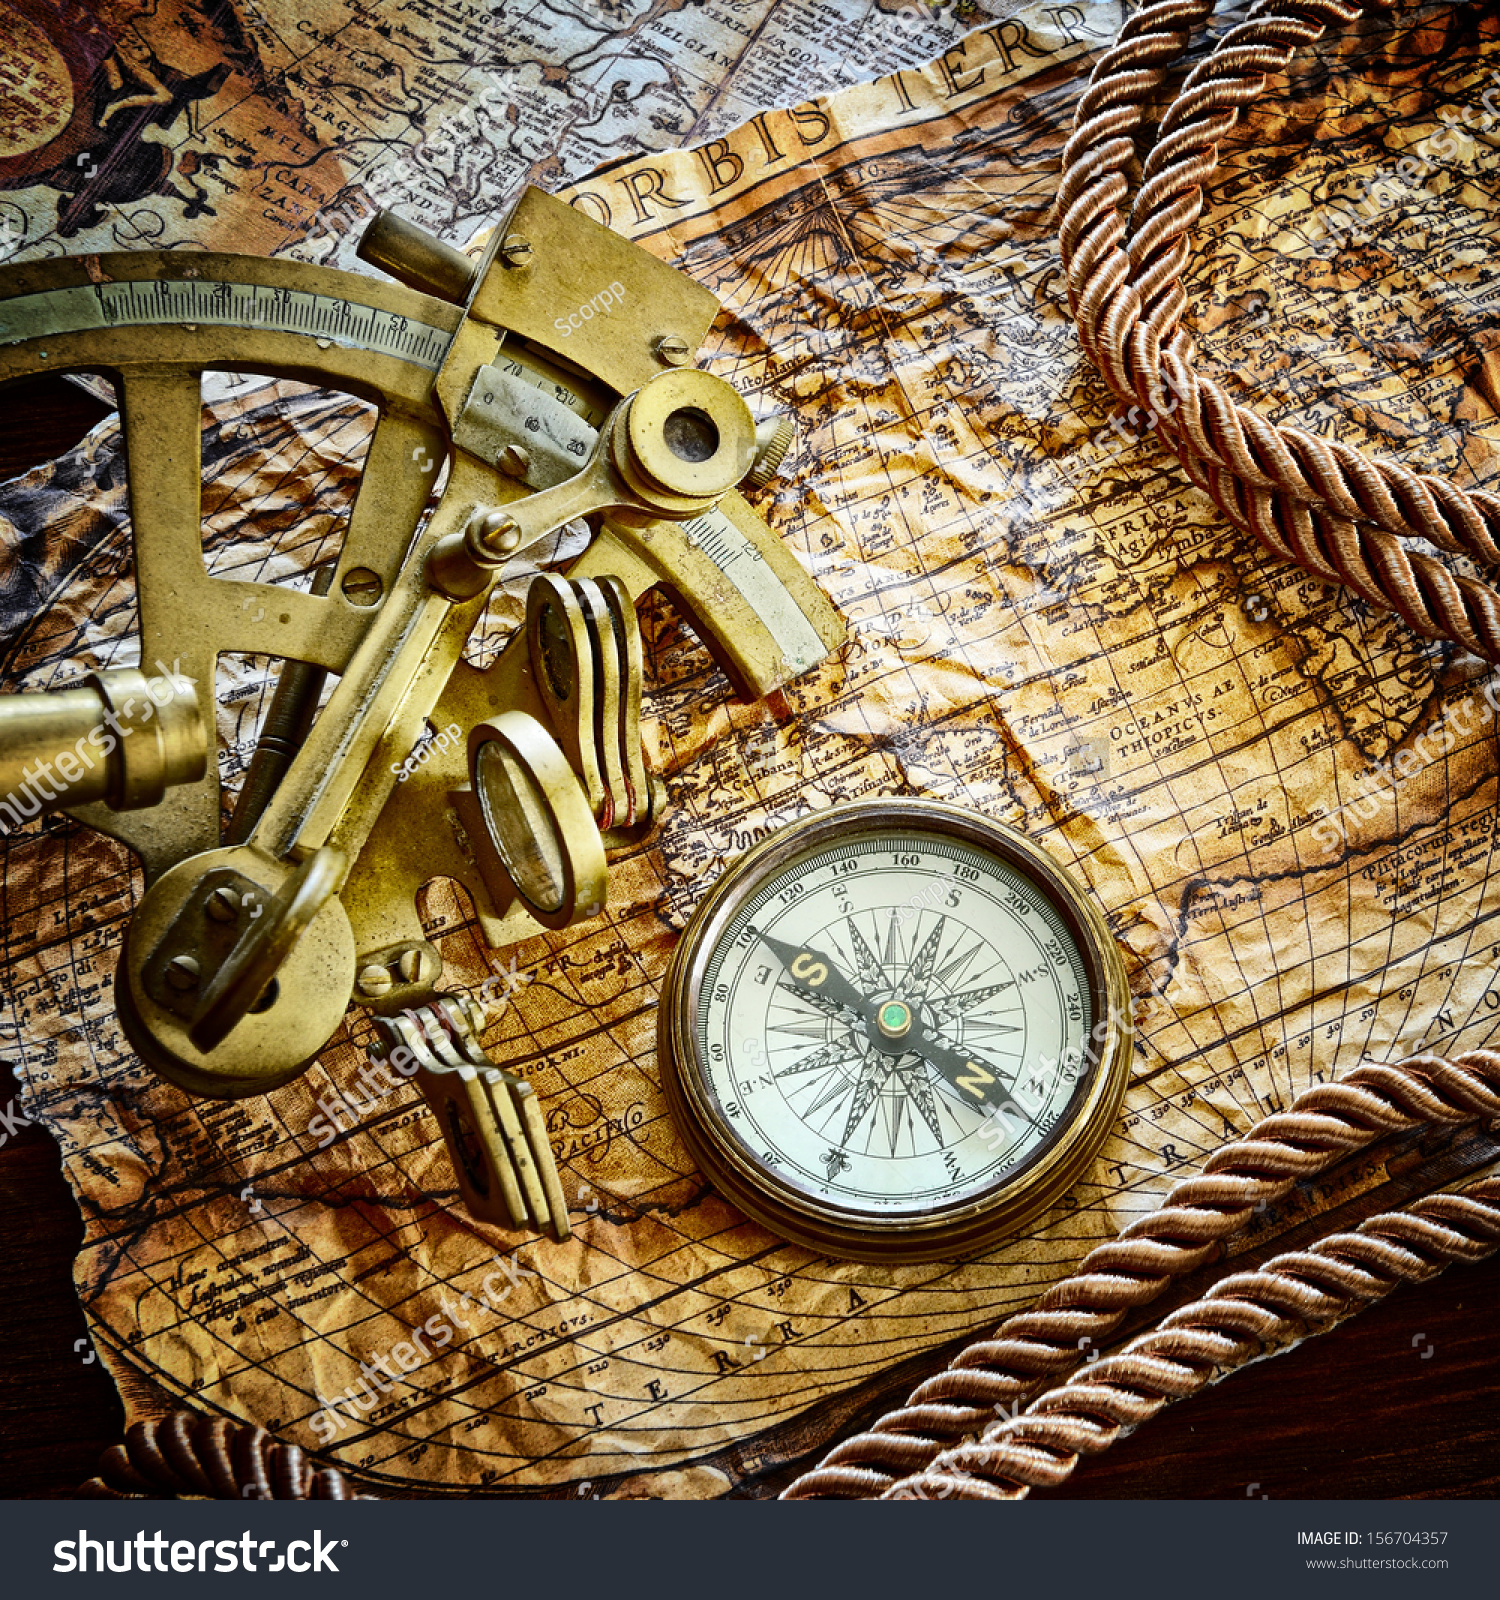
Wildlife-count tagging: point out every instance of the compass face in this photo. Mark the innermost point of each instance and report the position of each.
(893, 1018)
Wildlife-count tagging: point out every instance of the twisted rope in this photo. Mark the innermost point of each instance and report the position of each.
(1242, 1318)
(186, 1456)
(1036, 1348)
(1336, 512)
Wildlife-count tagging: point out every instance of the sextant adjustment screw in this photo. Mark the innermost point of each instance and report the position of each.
(182, 972)
(673, 349)
(516, 251)
(514, 461)
(361, 587)
(374, 981)
(496, 532)
(414, 966)
(224, 904)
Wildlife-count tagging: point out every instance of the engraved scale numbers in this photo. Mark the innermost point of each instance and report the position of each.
(530, 368)
(217, 303)
(221, 303)
(955, 936)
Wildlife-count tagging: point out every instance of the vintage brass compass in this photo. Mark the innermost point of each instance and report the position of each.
(895, 1030)
(252, 939)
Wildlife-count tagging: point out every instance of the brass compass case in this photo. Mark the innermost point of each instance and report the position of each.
(774, 870)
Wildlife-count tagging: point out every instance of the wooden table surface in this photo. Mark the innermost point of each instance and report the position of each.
(1403, 1401)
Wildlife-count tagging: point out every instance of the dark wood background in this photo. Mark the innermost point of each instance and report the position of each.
(1403, 1401)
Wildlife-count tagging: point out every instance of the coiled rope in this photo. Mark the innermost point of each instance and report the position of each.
(1349, 518)
(183, 1456)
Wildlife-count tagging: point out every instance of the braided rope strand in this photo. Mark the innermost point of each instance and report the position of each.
(1241, 1319)
(1037, 1347)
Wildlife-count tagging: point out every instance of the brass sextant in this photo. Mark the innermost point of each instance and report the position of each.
(551, 380)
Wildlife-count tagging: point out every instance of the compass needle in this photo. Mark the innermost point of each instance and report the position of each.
(815, 974)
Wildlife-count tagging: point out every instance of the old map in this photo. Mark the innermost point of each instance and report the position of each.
(272, 127)
(1045, 623)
